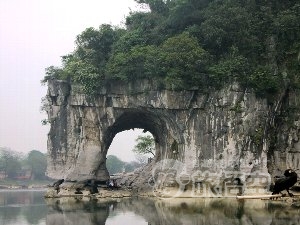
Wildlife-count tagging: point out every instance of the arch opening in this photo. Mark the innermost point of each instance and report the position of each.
(148, 122)
(120, 156)
(132, 119)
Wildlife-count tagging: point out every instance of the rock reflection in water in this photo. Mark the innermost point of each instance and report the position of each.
(71, 211)
(173, 211)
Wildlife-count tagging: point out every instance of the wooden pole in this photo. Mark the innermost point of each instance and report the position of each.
(257, 196)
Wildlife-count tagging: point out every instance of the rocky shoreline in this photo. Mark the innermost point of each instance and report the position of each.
(120, 192)
(167, 193)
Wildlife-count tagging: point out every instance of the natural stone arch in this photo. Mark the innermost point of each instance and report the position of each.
(132, 119)
(205, 131)
(152, 121)
(89, 125)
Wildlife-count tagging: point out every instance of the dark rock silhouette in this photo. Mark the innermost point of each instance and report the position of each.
(91, 186)
(57, 184)
(285, 183)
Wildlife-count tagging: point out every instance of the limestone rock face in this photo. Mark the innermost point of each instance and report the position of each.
(217, 131)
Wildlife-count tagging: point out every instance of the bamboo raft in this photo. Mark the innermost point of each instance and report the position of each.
(265, 196)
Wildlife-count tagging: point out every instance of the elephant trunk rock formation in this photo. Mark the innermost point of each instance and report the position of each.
(216, 131)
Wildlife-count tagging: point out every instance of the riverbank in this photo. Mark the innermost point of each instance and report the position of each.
(121, 192)
(26, 184)
(162, 193)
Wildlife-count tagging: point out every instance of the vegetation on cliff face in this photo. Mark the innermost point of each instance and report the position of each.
(193, 44)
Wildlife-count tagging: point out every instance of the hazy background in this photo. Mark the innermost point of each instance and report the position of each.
(33, 35)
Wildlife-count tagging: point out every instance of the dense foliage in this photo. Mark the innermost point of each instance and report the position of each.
(193, 44)
(145, 145)
(36, 161)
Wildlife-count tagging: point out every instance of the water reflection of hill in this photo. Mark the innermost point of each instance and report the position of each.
(175, 211)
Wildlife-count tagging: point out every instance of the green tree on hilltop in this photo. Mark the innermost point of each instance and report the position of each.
(192, 44)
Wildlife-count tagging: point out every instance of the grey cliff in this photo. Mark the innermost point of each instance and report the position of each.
(217, 131)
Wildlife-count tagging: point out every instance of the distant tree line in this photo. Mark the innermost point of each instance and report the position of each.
(115, 165)
(15, 165)
(32, 166)
(186, 44)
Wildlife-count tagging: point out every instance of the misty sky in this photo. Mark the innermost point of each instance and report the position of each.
(33, 35)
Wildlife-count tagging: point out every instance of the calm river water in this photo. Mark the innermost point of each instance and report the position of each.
(29, 207)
